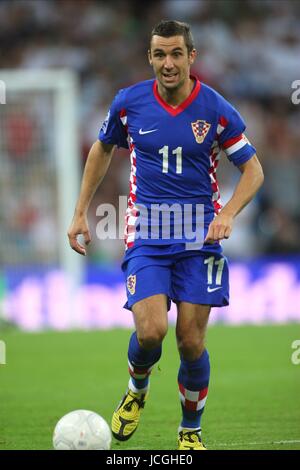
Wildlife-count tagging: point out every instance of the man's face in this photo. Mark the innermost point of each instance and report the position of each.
(170, 60)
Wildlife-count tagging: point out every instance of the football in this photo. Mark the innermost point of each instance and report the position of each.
(82, 430)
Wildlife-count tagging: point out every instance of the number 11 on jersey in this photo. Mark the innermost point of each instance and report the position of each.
(165, 153)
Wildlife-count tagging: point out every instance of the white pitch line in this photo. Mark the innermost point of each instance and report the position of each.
(133, 448)
(287, 442)
(295, 441)
(233, 444)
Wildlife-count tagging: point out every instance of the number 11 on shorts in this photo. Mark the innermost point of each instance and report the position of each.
(211, 262)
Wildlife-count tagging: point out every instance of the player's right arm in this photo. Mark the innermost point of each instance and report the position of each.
(96, 166)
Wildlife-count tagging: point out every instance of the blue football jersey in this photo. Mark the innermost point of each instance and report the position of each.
(174, 156)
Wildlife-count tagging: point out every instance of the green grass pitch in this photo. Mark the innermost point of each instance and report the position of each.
(253, 401)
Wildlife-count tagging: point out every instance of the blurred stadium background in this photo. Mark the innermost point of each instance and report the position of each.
(62, 62)
(249, 53)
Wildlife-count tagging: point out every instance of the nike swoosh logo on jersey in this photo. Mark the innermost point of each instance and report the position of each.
(209, 289)
(141, 132)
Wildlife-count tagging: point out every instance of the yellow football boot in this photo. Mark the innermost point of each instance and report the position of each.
(126, 417)
(189, 439)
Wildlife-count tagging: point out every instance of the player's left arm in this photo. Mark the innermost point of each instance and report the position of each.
(251, 179)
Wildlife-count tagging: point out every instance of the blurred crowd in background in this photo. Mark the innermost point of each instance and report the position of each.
(248, 50)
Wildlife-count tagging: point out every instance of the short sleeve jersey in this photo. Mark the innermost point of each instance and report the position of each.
(174, 154)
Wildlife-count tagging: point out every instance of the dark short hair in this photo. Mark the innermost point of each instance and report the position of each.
(168, 28)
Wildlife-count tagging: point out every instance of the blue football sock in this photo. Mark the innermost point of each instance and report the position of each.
(141, 362)
(193, 379)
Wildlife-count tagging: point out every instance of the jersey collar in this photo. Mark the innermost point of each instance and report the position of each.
(182, 106)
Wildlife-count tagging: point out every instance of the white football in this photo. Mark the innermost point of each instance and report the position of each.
(82, 430)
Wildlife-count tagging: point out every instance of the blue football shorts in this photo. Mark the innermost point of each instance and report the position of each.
(194, 277)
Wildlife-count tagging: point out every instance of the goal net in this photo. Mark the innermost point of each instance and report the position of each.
(40, 172)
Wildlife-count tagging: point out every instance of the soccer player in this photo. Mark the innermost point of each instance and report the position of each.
(175, 128)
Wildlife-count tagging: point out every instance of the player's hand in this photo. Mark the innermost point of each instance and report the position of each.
(219, 228)
(79, 226)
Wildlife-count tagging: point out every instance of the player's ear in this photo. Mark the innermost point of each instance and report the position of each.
(192, 56)
(149, 57)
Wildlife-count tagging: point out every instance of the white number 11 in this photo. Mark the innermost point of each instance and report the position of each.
(165, 153)
(211, 262)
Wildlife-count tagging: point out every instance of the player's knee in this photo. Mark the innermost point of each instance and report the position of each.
(152, 338)
(190, 348)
